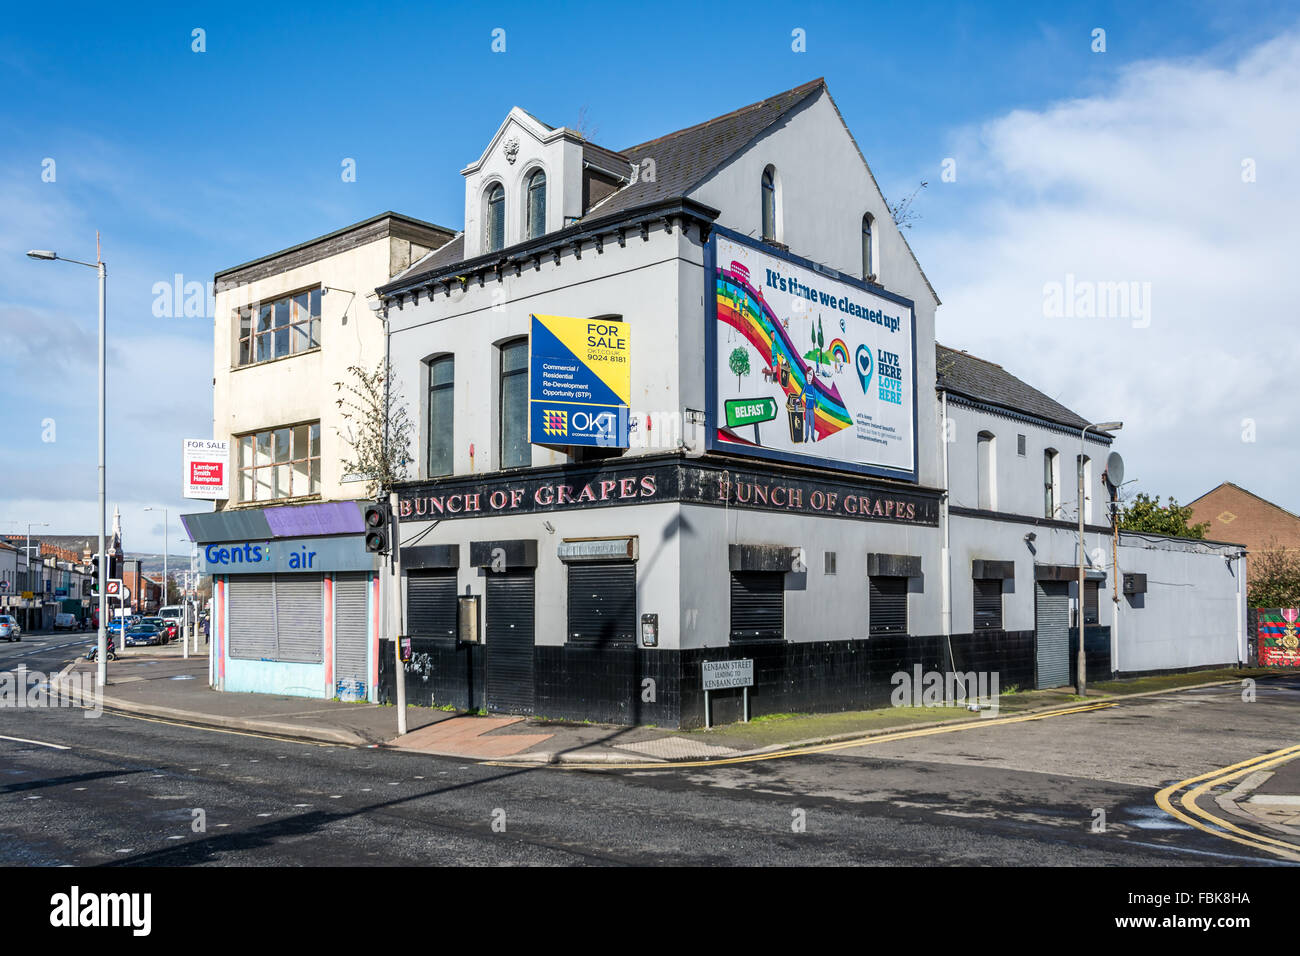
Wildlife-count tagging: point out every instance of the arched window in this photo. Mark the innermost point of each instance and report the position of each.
(868, 253)
(535, 201)
(1051, 483)
(769, 203)
(988, 489)
(496, 218)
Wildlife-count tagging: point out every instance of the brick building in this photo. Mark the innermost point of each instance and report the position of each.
(1235, 514)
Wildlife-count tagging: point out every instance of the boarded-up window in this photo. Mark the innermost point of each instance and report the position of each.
(988, 603)
(431, 603)
(757, 606)
(888, 608)
(602, 603)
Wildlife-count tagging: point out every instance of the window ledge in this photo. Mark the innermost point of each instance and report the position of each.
(274, 502)
(282, 358)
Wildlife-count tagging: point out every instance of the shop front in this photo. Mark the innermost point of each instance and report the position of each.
(295, 600)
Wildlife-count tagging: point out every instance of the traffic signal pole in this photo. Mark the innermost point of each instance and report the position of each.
(395, 603)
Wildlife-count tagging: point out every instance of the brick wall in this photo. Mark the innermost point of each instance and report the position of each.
(1238, 516)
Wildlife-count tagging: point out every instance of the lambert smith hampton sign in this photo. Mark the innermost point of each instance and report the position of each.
(580, 381)
(837, 361)
(631, 484)
(207, 469)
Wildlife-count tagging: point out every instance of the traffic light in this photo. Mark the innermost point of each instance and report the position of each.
(94, 574)
(377, 518)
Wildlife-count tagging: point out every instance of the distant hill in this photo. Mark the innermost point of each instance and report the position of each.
(153, 563)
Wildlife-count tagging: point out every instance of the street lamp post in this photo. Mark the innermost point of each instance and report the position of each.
(1081, 678)
(101, 674)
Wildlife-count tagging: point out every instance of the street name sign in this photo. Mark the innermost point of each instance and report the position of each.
(723, 675)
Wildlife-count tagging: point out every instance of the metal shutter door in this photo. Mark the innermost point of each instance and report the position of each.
(431, 603)
(988, 603)
(251, 621)
(602, 603)
(350, 627)
(510, 642)
(757, 605)
(298, 618)
(888, 608)
(1052, 638)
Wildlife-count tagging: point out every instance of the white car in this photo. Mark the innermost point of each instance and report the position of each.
(9, 629)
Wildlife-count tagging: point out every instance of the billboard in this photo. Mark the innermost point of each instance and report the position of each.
(207, 469)
(807, 365)
(580, 381)
(1279, 637)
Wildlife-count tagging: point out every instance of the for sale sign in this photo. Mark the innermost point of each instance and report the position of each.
(207, 469)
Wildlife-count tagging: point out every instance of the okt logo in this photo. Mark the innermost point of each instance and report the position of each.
(601, 423)
(863, 362)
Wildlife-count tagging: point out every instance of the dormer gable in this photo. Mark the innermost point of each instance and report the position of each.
(533, 179)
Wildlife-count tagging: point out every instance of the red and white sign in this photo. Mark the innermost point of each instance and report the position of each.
(114, 588)
(207, 468)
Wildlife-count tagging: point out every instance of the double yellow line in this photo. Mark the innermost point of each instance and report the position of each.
(1197, 786)
(829, 747)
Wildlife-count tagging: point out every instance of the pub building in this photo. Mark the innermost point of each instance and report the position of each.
(682, 404)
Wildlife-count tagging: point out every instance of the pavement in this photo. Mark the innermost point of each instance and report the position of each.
(158, 683)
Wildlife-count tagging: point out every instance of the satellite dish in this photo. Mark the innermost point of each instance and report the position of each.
(1114, 469)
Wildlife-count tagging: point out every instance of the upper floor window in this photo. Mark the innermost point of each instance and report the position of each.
(769, 203)
(515, 451)
(1051, 483)
(496, 218)
(271, 330)
(280, 463)
(536, 202)
(441, 421)
(868, 252)
(987, 472)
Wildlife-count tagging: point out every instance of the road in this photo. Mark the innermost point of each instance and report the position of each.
(123, 791)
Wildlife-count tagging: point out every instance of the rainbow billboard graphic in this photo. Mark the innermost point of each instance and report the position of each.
(580, 381)
(838, 359)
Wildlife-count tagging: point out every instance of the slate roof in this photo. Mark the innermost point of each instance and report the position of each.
(682, 160)
(975, 378)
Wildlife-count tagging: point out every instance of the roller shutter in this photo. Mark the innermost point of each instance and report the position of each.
(1052, 633)
(251, 618)
(602, 603)
(431, 604)
(351, 628)
(509, 634)
(757, 606)
(888, 607)
(988, 603)
(299, 619)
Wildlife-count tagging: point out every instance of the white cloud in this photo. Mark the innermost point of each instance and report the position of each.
(1143, 183)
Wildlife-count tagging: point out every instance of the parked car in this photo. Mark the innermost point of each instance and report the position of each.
(167, 627)
(9, 629)
(145, 634)
(65, 622)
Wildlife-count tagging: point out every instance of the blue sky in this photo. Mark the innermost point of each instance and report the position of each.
(192, 162)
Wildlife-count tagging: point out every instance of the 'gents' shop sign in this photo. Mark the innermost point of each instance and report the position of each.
(688, 482)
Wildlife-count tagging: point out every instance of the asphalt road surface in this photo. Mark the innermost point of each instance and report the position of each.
(115, 790)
